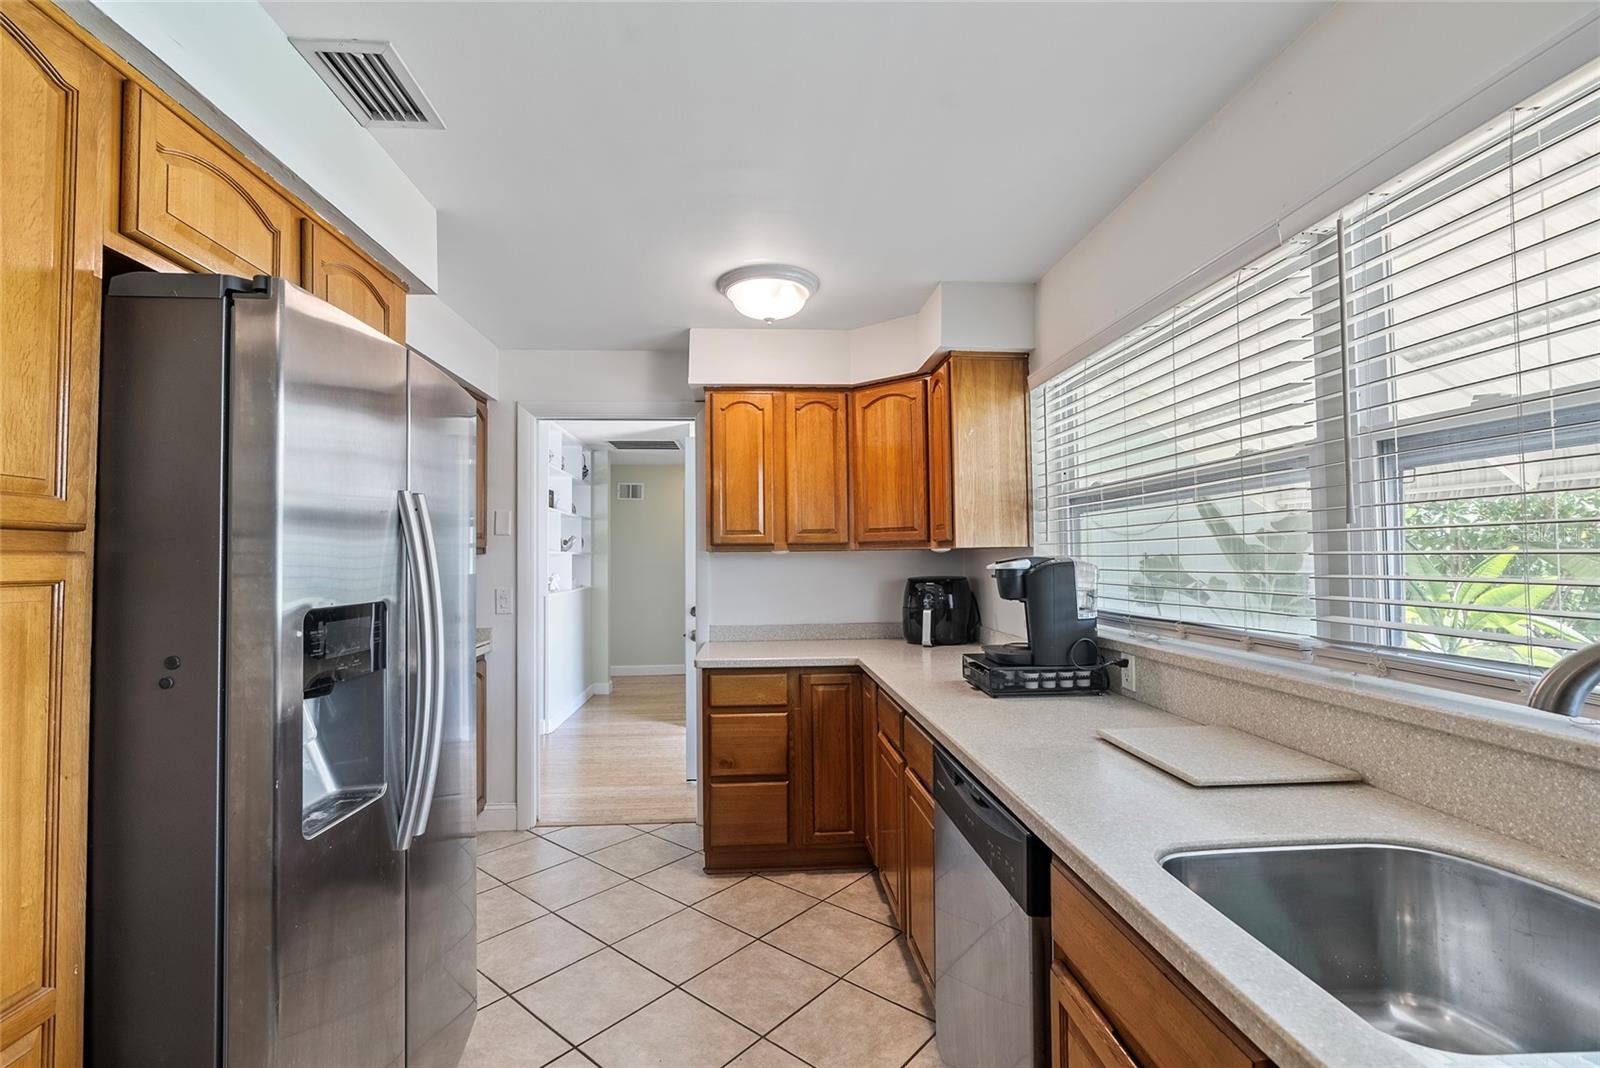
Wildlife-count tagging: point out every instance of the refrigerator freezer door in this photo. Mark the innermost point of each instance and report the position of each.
(441, 923)
(317, 451)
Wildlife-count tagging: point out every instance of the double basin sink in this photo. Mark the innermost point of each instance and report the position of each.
(1433, 949)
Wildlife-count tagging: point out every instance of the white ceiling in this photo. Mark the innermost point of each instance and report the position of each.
(599, 433)
(604, 162)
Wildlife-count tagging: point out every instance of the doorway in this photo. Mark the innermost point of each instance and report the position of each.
(616, 556)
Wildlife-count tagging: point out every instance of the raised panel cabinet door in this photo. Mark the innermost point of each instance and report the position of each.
(744, 486)
(889, 464)
(817, 490)
(194, 201)
(990, 486)
(57, 110)
(919, 873)
(835, 811)
(334, 270)
(869, 762)
(44, 719)
(1080, 1037)
(889, 792)
(941, 501)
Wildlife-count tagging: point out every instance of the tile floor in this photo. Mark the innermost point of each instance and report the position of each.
(611, 946)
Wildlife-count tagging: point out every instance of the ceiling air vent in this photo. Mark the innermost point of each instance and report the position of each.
(369, 79)
(630, 491)
(645, 446)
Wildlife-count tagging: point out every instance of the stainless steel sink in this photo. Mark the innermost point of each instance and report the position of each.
(1430, 948)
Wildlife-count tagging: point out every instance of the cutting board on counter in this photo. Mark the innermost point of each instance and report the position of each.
(1222, 756)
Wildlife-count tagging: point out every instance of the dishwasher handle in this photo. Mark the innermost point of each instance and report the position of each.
(1018, 859)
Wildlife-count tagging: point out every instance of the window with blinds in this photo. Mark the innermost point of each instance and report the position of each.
(1384, 436)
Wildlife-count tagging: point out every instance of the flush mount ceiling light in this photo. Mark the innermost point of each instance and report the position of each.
(768, 291)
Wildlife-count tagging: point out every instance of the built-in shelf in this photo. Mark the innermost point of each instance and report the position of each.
(569, 500)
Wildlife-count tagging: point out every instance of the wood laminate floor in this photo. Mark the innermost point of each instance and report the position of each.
(619, 758)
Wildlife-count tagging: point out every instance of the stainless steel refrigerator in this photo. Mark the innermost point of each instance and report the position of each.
(282, 783)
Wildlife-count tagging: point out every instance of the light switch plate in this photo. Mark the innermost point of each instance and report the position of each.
(502, 521)
(502, 601)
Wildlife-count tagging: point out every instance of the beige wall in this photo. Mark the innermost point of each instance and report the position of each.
(646, 564)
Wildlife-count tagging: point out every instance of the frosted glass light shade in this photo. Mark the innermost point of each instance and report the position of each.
(768, 292)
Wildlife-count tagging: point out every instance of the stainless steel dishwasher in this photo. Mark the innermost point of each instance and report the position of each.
(991, 927)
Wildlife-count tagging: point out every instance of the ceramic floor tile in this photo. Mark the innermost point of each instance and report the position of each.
(928, 1057)
(756, 906)
(688, 881)
(649, 826)
(759, 986)
(638, 855)
(531, 952)
(683, 945)
(505, 1035)
(675, 1031)
(764, 1055)
(503, 908)
(831, 938)
(488, 993)
(847, 1027)
(819, 884)
(489, 841)
(614, 914)
(572, 1059)
(892, 974)
(526, 857)
(486, 881)
(564, 884)
(587, 839)
(685, 834)
(585, 998)
(864, 897)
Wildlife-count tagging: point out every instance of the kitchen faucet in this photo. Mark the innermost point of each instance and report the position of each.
(1566, 687)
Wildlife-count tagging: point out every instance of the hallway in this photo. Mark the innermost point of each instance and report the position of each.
(619, 759)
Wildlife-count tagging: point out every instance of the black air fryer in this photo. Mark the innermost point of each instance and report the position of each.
(939, 610)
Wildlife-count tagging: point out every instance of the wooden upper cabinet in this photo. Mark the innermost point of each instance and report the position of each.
(889, 463)
(193, 201)
(941, 504)
(990, 489)
(59, 99)
(334, 270)
(834, 808)
(817, 491)
(744, 487)
(44, 719)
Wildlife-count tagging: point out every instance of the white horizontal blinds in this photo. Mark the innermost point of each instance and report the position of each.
(1472, 324)
(1180, 459)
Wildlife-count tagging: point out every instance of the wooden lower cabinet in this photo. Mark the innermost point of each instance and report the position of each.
(919, 873)
(888, 786)
(746, 814)
(1080, 1037)
(1113, 995)
(833, 808)
(869, 745)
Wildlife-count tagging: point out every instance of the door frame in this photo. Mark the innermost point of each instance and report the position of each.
(530, 602)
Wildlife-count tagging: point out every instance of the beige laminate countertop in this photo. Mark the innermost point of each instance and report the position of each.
(1110, 817)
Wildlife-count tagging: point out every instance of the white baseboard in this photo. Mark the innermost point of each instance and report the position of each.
(498, 816)
(646, 669)
(601, 689)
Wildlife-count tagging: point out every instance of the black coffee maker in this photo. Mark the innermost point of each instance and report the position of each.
(1059, 599)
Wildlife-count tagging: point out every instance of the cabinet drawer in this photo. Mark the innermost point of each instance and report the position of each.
(747, 690)
(1159, 1017)
(890, 718)
(748, 743)
(747, 813)
(918, 748)
(190, 200)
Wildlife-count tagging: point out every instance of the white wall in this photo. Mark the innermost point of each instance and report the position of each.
(1366, 92)
(996, 317)
(751, 589)
(239, 60)
(647, 580)
(599, 382)
(434, 329)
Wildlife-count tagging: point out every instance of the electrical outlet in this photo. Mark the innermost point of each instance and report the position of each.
(502, 601)
(1129, 683)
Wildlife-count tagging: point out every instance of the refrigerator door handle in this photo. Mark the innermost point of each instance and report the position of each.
(436, 679)
(416, 561)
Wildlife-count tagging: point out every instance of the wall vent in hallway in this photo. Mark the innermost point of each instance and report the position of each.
(630, 491)
(645, 445)
(371, 81)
